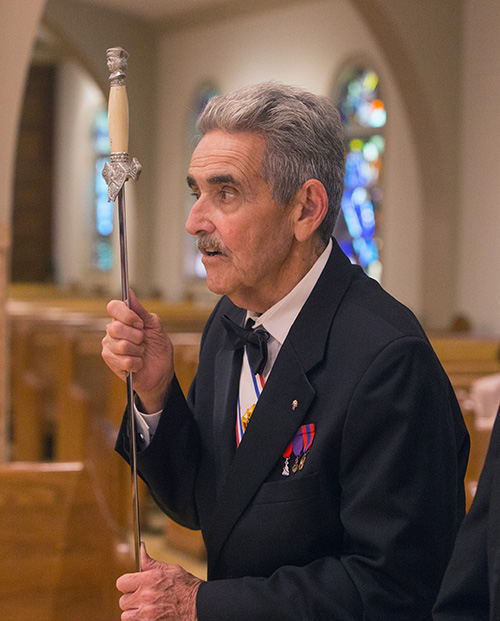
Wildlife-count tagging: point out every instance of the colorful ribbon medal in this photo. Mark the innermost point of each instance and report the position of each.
(307, 440)
(300, 446)
(286, 455)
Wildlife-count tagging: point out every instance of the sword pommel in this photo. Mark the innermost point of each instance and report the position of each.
(117, 64)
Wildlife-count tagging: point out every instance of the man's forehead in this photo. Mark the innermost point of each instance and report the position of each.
(223, 157)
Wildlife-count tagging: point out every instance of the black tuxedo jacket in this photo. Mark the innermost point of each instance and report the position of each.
(365, 529)
(471, 586)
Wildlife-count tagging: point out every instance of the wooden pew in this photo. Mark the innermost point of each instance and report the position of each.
(66, 404)
(467, 358)
(59, 553)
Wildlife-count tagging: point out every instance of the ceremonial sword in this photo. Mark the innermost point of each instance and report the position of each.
(116, 173)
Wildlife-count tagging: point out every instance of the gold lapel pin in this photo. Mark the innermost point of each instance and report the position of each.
(295, 404)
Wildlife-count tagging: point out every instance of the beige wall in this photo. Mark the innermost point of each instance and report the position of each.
(479, 159)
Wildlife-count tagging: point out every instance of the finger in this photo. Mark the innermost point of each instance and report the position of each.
(127, 602)
(123, 347)
(121, 312)
(118, 362)
(119, 331)
(128, 583)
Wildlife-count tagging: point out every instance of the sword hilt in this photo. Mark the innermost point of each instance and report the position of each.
(122, 167)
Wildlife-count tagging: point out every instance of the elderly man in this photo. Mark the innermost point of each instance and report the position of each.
(321, 449)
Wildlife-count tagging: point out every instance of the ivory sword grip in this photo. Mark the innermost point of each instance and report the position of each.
(118, 118)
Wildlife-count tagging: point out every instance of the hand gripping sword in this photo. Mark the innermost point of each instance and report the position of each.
(116, 174)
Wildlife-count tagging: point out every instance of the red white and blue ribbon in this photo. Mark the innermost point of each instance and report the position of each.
(243, 418)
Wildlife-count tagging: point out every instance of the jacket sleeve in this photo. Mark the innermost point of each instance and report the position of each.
(465, 592)
(169, 464)
(403, 458)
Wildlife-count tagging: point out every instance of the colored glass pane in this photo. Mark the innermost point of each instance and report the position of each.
(102, 248)
(193, 263)
(363, 115)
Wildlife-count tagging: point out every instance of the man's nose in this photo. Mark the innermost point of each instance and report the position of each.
(199, 218)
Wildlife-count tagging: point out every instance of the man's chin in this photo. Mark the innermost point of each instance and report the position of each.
(216, 285)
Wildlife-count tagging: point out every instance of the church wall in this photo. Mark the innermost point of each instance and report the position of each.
(305, 44)
(479, 267)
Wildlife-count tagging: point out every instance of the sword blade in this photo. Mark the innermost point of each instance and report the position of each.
(136, 525)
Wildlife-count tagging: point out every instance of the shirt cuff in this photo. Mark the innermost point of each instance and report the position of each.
(146, 424)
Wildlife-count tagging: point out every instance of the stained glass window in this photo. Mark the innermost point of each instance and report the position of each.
(102, 247)
(364, 117)
(193, 264)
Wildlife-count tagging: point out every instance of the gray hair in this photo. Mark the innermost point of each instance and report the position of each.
(303, 133)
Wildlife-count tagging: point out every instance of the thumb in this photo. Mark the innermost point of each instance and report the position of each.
(146, 561)
(139, 309)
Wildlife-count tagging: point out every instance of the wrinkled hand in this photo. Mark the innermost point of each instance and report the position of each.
(136, 342)
(158, 592)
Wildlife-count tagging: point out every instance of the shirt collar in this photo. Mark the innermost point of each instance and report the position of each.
(278, 319)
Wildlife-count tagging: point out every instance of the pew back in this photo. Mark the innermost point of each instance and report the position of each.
(59, 553)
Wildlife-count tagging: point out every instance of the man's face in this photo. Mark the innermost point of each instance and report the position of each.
(246, 238)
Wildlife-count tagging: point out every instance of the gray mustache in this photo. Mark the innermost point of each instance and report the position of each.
(206, 243)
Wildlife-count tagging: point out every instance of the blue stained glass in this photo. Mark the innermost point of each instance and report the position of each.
(101, 186)
(351, 218)
(103, 255)
(104, 212)
(366, 250)
(363, 115)
(193, 263)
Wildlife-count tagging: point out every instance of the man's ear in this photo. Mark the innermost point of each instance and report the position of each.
(311, 207)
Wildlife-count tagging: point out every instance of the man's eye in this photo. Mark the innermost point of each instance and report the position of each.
(195, 195)
(226, 194)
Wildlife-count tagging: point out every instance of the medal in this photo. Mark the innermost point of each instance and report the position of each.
(297, 451)
(300, 446)
(307, 432)
(288, 451)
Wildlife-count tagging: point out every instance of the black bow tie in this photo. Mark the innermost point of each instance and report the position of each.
(254, 340)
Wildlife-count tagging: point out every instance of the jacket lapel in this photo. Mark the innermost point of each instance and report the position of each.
(274, 422)
(227, 377)
(283, 403)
